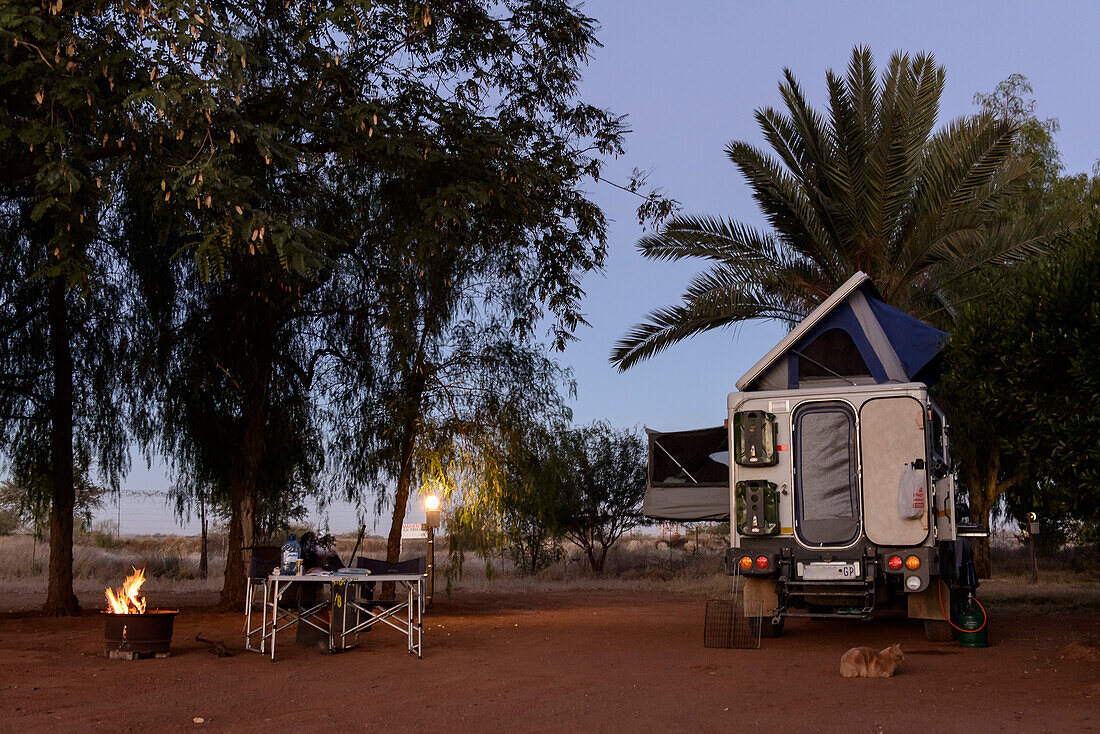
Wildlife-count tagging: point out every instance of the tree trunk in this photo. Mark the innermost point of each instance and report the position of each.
(1034, 560)
(414, 400)
(204, 558)
(404, 477)
(244, 473)
(242, 522)
(982, 485)
(536, 546)
(243, 493)
(595, 560)
(404, 486)
(60, 599)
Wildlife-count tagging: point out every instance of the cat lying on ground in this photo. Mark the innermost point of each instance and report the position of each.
(863, 662)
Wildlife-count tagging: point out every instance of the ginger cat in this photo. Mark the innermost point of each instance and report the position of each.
(863, 662)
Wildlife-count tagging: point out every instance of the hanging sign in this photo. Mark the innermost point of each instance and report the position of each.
(414, 531)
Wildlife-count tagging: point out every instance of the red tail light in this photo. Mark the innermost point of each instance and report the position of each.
(761, 562)
(894, 562)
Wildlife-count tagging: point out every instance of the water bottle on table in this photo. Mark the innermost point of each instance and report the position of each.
(292, 555)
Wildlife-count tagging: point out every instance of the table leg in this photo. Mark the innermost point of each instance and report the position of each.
(331, 615)
(410, 615)
(344, 615)
(263, 617)
(274, 619)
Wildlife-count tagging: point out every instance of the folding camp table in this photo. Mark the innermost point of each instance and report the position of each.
(404, 615)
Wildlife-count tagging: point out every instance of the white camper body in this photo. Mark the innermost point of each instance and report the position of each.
(838, 484)
(845, 457)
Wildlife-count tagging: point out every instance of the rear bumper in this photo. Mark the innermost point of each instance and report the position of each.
(823, 571)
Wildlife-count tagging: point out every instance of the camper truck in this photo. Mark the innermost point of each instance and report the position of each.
(834, 468)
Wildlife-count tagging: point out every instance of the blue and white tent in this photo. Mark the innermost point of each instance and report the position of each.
(853, 338)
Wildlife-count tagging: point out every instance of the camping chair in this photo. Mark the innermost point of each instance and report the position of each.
(402, 614)
(264, 560)
(378, 569)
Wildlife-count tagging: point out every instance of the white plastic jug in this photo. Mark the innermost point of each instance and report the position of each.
(911, 494)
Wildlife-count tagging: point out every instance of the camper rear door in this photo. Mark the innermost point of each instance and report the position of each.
(892, 433)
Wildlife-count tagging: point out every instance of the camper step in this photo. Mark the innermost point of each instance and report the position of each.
(864, 613)
(817, 588)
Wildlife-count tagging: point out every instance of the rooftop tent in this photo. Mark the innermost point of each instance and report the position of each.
(689, 476)
(854, 337)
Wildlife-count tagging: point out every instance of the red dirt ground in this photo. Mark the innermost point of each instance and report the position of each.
(564, 661)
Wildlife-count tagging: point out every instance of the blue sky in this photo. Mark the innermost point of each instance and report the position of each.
(689, 75)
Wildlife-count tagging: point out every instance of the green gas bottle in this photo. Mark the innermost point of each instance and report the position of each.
(973, 625)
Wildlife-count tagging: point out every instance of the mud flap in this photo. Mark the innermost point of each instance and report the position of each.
(762, 591)
(926, 604)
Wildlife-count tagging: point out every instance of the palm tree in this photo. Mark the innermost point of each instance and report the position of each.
(870, 186)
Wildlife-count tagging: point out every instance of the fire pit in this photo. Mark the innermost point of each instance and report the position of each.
(131, 632)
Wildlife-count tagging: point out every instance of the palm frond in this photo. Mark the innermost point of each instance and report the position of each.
(713, 309)
(706, 238)
(784, 204)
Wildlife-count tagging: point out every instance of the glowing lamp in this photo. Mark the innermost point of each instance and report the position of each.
(431, 511)
(912, 563)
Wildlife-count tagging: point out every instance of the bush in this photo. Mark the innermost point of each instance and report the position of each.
(9, 522)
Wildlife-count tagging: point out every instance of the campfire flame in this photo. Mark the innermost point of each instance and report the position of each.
(126, 599)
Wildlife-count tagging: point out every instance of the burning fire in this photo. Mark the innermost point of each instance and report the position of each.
(126, 599)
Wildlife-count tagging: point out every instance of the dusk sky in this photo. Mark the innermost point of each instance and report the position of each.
(689, 76)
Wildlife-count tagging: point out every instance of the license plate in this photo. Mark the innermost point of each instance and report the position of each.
(829, 571)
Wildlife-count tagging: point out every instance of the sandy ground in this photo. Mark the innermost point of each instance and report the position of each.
(564, 661)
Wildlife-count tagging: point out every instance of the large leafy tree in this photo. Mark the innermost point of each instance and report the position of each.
(69, 79)
(995, 460)
(286, 180)
(233, 253)
(584, 484)
(871, 185)
(1024, 365)
(469, 222)
(489, 454)
(395, 237)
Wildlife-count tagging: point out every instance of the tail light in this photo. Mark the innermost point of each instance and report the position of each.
(745, 563)
(912, 563)
(761, 562)
(894, 562)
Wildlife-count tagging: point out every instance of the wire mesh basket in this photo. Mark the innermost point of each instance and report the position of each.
(733, 623)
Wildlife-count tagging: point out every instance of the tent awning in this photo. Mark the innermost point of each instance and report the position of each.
(689, 476)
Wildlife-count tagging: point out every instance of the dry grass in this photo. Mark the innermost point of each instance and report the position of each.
(639, 562)
(98, 557)
(1070, 579)
(1053, 592)
(693, 564)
